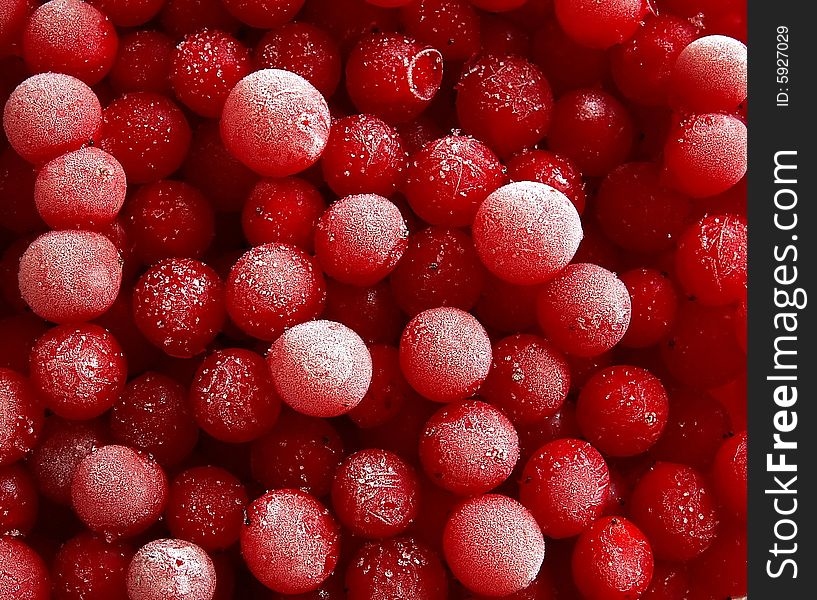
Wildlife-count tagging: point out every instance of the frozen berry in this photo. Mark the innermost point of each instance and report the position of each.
(23, 574)
(18, 500)
(87, 566)
(654, 305)
(552, 169)
(263, 14)
(452, 26)
(600, 25)
(184, 17)
(710, 75)
(729, 474)
(170, 569)
(142, 63)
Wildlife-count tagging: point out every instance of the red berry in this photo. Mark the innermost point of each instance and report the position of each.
(71, 37)
(142, 63)
(654, 304)
(275, 122)
(320, 368)
(128, 13)
(393, 77)
(264, 14)
(387, 393)
(68, 276)
(118, 492)
(86, 566)
(673, 505)
(78, 370)
(396, 568)
(232, 396)
(600, 25)
(50, 114)
(493, 545)
(721, 571)
(729, 473)
(18, 500)
(504, 101)
(184, 17)
(282, 210)
(565, 486)
(469, 447)
(178, 304)
(375, 494)
(526, 232)
(205, 506)
(169, 569)
(360, 239)
(529, 379)
(371, 312)
(612, 560)
(552, 169)
(452, 26)
(585, 310)
(710, 75)
(289, 541)
(445, 354)
(147, 133)
(272, 287)
(22, 571)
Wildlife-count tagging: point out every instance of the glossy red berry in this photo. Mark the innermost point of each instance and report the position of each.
(184, 17)
(142, 63)
(473, 554)
(18, 500)
(552, 169)
(23, 571)
(654, 305)
(722, 571)
(600, 25)
(171, 569)
(128, 13)
(263, 14)
(289, 541)
(451, 26)
(612, 560)
(565, 485)
(710, 75)
(78, 370)
(445, 354)
(729, 474)
(86, 566)
(232, 396)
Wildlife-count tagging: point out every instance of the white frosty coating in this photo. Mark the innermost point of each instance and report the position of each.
(321, 368)
(712, 70)
(80, 187)
(70, 275)
(275, 122)
(23, 575)
(360, 239)
(171, 568)
(397, 569)
(526, 232)
(445, 354)
(493, 545)
(50, 113)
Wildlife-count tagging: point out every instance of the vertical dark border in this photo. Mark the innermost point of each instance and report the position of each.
(772, 129)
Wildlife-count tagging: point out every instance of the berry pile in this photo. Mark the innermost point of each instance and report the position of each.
(372, 299)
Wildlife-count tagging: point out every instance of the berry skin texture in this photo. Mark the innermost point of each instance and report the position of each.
(445, 354)
(80, 189)
(375, 494)
(504, 101)
(19, 500)
(263, 14)
(600, 25)
(50, 114)
(448, 179)
(565, 485)
(178, 305)
(86, 566)
(705, 154)
(232, 396)
(711, 260)
(452, 26)
(118, 492)
(275, 122)
(142, 63)
(170, 569)
(128, 13)
(585, 310)
(396, 568)
(552, 169)
(22, 572)
(360, 239)
(676, 509)
(272, 287)
(529, 379)
(473, 554)
(71, 37)
(205, 506)
(654, 305)
(320, 368)
(612, 560)
(69, 276)
(78, 370)
(526, 232)
(469, 447)
(205, 67)
(289, 541)
(729, 475)
(710, 75)
(622, 410)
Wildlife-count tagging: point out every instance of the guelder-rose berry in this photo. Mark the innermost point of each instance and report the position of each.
(118, 492)
(88, 566)
(70, 276)
(552, 169)
(275, 122)
(128, 13)
(289, 541)
(445, 354)
(388, 392)
(600, 24)
(360, 239)
(451, 26)
(22, 571)
(710, 75)
(142, 63)
(729, 474)
(565, 485)
(585, 310)
(612, 560)
(504, 101)
(526, 232)
(654, 306)
(493, 545)
(263, 14)
(320, 368)
(50, 114)
(184, 17)
(469, 447)
(284, 210)
(272, 287)
(19, 500)
(171, 569)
